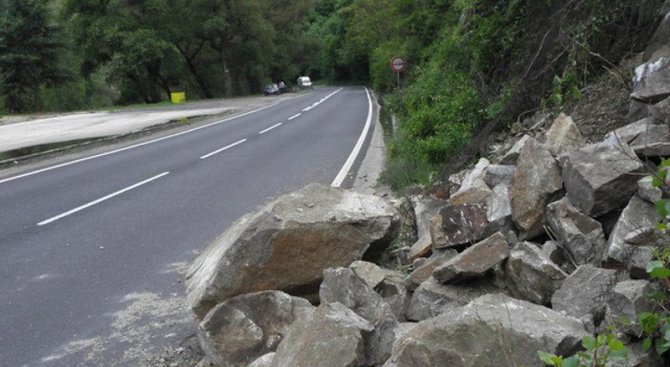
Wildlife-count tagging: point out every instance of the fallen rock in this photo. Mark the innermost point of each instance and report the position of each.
(512, 155)
(579, 234)
(652, 81)
(287, 244)
(647, 191)
(620, 254)
(499, 207)
(342, 286)
(535, 183)
(628, 133)
(425, 271)
(425, 208)
(463, 219)
(584, 294)
(263, 361)
(661, 111)
(601, 177)
(475, 261)
(498, 173)
(629, 299)
(489, 330)
(654, 142)
(475, 174)
(237, 331)
(531, 275)
(558, 255)
(432, 298)
(389, 284)
(421, 248)
(563, 136)
(333, 337)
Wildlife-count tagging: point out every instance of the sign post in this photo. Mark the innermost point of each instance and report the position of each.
(398, 65)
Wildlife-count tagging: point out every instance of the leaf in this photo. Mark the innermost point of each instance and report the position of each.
(661, 348)
(571, 362)
(646, 344)
(547, 358)
(589, 342)
(660, 208)
(657, 270)
(658, 296)
(662, 227)
(656, 182)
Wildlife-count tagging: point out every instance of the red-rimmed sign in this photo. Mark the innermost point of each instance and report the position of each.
(397, 64)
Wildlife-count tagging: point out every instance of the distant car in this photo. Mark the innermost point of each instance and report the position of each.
(271, 89)
(283, 88)
(304, 82)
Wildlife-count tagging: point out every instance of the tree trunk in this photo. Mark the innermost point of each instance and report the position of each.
(202, 83)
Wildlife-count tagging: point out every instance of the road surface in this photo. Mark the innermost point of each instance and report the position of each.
(92, 250)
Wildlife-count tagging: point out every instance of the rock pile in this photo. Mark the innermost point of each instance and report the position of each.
(532, 252)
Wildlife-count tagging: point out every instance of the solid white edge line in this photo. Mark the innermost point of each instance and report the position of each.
(222, 149)
(270, 128)
(294, 116)
(339, 179)
(133, 146)
(80, 208)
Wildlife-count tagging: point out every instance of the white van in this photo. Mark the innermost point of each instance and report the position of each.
(304, 82)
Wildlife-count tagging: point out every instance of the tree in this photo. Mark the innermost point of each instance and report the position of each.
(30, 49)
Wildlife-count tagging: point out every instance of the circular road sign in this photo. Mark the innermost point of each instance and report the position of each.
(397, 64)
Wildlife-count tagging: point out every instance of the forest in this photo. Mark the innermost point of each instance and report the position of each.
(472, 65)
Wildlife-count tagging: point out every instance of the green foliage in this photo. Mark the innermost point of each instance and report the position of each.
(599, 351)
(30, 49)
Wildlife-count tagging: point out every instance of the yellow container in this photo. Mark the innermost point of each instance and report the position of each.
(178, 97)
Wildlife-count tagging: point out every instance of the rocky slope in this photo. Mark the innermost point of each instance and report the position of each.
(531, 250)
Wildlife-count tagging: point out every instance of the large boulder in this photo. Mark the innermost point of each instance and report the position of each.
(512, 155)
(653, 142)
(342, 286)
(601, 177)
(581, 235)
(563, 136)
(287, 244)
(334, 337)
(622, 254)
(629, 299)
(531, 275)
(464, 218)
(628, 133)
(585, 292)
(432, 298)
(652, 81)
(244, 328)
(536, 181)
(491, 330)
(475, 261)
(423, 272)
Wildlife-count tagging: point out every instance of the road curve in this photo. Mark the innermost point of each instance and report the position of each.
(92, 251)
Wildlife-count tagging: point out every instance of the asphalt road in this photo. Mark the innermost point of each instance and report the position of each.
(92, 251)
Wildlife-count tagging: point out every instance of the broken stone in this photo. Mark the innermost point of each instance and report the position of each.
(512, 155)
(652, 81)
(263, 361)
(475, 261)
(333, 337)
(579, 234)
(490, 329)
(601, 177)
(282, 248)
(236, 332)
(432, 298)
(425, 271)
(647, 191)
(654, 142)
(531, 275)
(628, 133)
(558, 255)
(421, 248)
(661, 111)
(563, 136)
(425, 208)
(536, 181)
(629, 299)
(638, 214)
(477, 173)
(585, 292)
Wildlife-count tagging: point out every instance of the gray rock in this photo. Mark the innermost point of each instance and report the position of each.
(563, 136)
(369, 272)
(425, 208)
(389, 284)
(601, 177)
(658, 45)
(638, 110)
(432, 298)
(499, 207)
(475, 261)
(536, 181)
(334, 337)
(652, 81)
(531, 275)
(498, 173)
(655, 142)
(342, 286)
(263, 361)
(637, 357)
(629, 299)
(463, 219)
(579, 234)
(558, 255)
(421, 248)
(492, 330)
(287, 244)
(661, 111)
(512, 155)
(628, 133)
(477, 173)
(638, 214)
(646, 191)
(237, 331)
(585, 292)
(425, 271)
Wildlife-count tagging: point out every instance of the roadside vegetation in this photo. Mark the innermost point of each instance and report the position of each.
(473, 66)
